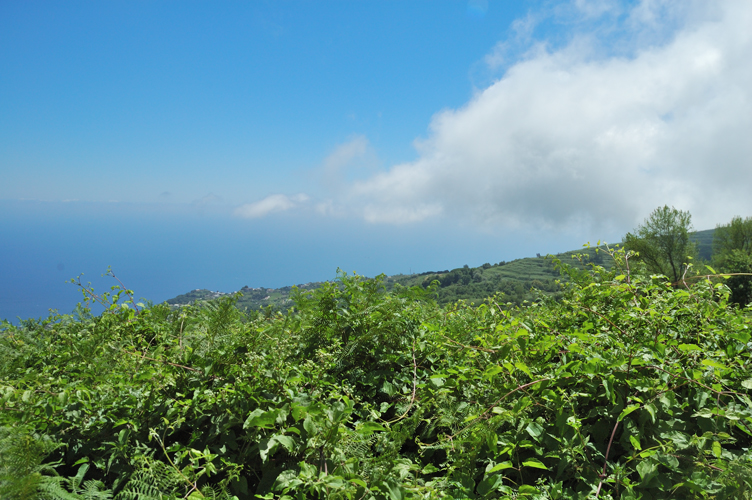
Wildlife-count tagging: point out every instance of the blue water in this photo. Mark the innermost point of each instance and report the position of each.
(161, 253)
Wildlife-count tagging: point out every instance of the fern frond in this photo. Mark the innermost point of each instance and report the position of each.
(155, 480)
(21, 469)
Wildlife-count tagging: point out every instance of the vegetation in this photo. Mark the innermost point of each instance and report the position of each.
(662, 242)
(733, 254)
(519, 281)
(613, 381)
(624, 388)
(703, 240)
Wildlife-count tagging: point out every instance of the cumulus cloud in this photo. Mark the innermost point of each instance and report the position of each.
(271, 204)
(572, 135)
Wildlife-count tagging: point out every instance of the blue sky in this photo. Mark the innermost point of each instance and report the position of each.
(215, 145)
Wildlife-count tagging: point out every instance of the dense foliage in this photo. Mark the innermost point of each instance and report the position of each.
(626, 388)
(732, 244)
(663, 242)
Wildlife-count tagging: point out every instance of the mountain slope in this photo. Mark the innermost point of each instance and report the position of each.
(519, 280)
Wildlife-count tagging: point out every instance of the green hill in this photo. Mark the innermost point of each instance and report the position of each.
(704, 240)
(518, 280)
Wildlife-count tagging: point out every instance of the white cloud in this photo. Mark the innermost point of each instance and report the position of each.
(348, 160)
(397, 214)
(570, 136)
(270, 204)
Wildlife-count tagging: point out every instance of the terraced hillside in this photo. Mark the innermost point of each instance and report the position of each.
(519, 280)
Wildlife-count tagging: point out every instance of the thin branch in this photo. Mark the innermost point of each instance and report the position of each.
(127, 292)
(143, 356)
(495, 403)
(708, 276)
(724, 393)
(609, 321)
(89, 290)
(468, 346)
(605, 461)
(415, 387)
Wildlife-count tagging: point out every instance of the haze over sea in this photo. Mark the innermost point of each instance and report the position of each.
(161, 256)
(217, 145)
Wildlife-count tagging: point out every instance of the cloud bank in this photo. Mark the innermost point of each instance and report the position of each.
(572, 135)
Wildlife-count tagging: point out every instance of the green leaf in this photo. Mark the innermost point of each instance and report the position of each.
(393, 490)
(491, 371)
(680, 439)
(651, 409)
(266, 448)
(747, 384)
(626, 411)
(309, 426)
(534, 429)
(429, 469)
(704, 413)
(501, 466)
(437, 382)
(714, 364)
(534, 462)
(635, 442)
(523, 367)
(260, 418)
(287, 441)
(358, 482)
(526, 489)
(689, 347)
(489, 484)
(608, 384)
(368, 428)
(647, 470)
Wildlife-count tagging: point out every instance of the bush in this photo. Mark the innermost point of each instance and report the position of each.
(625, 388)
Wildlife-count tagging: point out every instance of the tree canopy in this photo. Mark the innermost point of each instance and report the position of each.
(736, 235)
(662, 242)
(732, 253)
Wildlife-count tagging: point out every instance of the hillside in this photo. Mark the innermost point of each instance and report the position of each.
(518, 280)
(704, 240)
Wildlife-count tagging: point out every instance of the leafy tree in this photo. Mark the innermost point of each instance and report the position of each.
(736, 235)
(737, 261)
(732, 252)
(662, 241)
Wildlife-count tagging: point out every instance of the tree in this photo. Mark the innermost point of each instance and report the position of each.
(732, 253)
(662, 241)
(736, 235)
